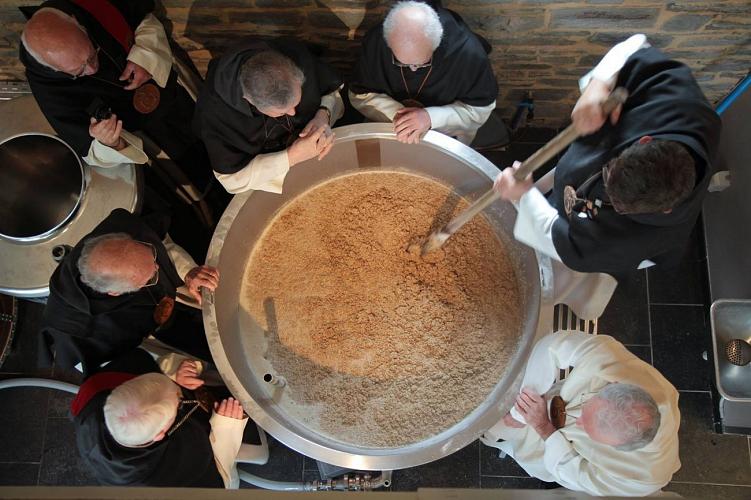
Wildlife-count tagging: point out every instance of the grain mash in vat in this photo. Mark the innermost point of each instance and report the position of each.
(380, 347)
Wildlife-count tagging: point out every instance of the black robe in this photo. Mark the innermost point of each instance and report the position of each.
(184, 459)
(64, 100)
(234, 131)
(461, 70)
(91, 328)
(666, 103)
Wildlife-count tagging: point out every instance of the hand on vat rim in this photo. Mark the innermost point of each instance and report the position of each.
(321, 119)
(315, 144)
(201, 276)
(410, 124)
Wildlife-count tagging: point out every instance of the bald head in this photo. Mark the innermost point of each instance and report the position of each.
(412, 31)
(116, 264)
(56, 40)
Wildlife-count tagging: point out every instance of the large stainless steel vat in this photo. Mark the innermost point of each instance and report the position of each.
(237, 341)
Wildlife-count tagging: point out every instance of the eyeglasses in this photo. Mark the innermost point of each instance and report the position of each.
(580, 403)
(155, 277)
(413, 67)
(89, 62)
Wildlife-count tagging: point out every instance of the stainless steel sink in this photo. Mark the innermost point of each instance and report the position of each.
(731, 319)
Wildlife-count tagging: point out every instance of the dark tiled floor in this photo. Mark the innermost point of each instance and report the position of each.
(681, 345)
(627, 314)
(284, 464)
(459, 470)
(708, 491)
(660, 314)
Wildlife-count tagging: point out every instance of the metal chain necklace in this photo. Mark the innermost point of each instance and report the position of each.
(186, 416)
(412, 102)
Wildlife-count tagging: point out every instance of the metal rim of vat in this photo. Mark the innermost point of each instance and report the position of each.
(335, 452)
(71, 213)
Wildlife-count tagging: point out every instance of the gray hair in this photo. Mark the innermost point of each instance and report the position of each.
(432, 27)
(630, 414)
(33, 53)
(139, 409)
(268, 80)
(99, 281)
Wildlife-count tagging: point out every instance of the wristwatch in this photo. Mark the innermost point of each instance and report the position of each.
(327, 110)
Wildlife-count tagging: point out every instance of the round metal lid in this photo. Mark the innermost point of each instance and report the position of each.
(27, 263)
(42, 181)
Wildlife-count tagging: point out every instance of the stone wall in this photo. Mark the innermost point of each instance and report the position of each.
(540, 46)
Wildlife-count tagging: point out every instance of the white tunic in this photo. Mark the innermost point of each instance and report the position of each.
(569, 456)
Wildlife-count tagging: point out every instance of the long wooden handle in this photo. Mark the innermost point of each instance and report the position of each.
(538, 159)
(562, 140)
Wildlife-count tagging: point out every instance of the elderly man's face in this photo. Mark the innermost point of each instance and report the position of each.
(82, 64)
(139, 264)
(276, 112)
(63, 44)
(133, 262)
(416, 54)
(587, 421)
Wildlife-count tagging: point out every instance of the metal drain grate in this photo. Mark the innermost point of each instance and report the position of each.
(564, 319)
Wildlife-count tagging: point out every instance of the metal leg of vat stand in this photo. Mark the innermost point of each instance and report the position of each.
(254, 453)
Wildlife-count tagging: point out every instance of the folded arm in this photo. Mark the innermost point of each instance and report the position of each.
(459, 119)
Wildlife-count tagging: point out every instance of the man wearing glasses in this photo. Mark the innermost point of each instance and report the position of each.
(119, 285)
(101, 71)
(612, 425)
(627, 193)
(266, 107)
(141, 422)
(423, 69)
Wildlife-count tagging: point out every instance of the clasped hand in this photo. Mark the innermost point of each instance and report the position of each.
(410, 124)
(316, 139)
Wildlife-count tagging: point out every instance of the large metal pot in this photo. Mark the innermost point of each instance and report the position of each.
(237, 341)
(49, 198)
(43, 183)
